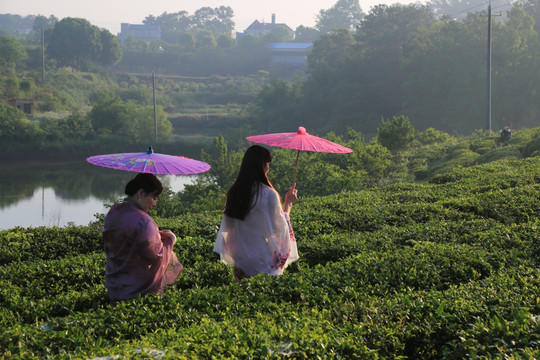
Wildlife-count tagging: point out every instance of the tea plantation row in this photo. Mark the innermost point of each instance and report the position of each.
(445, 270)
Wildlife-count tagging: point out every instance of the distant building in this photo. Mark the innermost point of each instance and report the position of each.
(143, 32)
(26, 105)
(257, 28)
(291, 53)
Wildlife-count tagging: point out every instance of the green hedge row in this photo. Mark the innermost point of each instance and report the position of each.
(443, 270)
(488, 317)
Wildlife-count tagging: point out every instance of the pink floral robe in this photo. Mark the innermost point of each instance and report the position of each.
(137, 258)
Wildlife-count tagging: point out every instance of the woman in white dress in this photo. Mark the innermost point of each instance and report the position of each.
(255, 235)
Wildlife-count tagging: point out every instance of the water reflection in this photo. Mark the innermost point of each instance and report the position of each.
(63, 194)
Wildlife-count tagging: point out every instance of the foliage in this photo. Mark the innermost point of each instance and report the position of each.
(306, 34)
(111, 52)
(399, 60)
(431, 136)
(345, 14)
(75, 127)
(224, 164)
(370, 164)
(75, 42)
(217, 20)
(506, 152)
(111, 115)
(106, 114)
(11, 51)
(396, 134)
(459, 10)
(15, 127)
(446, 269)
(276, 106)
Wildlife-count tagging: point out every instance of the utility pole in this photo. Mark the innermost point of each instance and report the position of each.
(488, 110)
(488, 101)
(155, 112)
(42, 55)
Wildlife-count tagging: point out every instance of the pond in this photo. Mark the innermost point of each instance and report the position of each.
(61, 194)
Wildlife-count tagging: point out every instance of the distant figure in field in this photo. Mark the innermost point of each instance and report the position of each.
(255, 235)
(140, 257)
(506, 134)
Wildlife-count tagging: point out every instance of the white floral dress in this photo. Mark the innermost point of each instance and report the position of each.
(261, 243)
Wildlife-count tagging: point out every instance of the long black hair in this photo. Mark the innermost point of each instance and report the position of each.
(248, 182)
(148, 182)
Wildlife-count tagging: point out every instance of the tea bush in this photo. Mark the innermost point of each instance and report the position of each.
(447, 269)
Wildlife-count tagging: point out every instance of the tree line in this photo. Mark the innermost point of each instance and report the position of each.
(396, 60)
(402, 60)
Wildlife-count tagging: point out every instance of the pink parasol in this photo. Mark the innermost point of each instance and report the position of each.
(150, 162)
(300, 141)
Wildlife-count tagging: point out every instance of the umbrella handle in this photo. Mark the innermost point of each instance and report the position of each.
(296, 166)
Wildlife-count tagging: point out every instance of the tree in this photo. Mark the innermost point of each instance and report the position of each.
(133, 45)
(111, 115)
(306, 34)
(460, 9)
(279, 33)
(532, 7)
(224, 163)
(186, 40)
(225, 41)
(331, 50)
(111, 52)
(376, 75)
(11, 51)
(516, 75)
(217, 20)
(42, 23)
(15, 127)
(205, 39)
(75, 127)
(345, 14)
(445, 83)
(396, 134)
(11, 86)
(276, 106)
(327, 92)
(108, 114)
(141, 123)
(171, 23)
(73, 41)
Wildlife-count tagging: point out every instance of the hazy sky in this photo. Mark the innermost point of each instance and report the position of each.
(110, 13)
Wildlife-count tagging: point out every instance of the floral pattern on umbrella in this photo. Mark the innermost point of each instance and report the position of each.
(150, 162)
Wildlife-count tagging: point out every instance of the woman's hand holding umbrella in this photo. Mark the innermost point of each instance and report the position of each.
(290, 199)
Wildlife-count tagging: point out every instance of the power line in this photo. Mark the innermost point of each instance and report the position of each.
(479, 5)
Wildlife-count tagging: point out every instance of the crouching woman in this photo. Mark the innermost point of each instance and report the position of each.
(140, 257)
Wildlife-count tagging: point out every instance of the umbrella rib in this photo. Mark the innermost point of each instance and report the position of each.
(165, 167)
(144, 166)
(132, 166)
